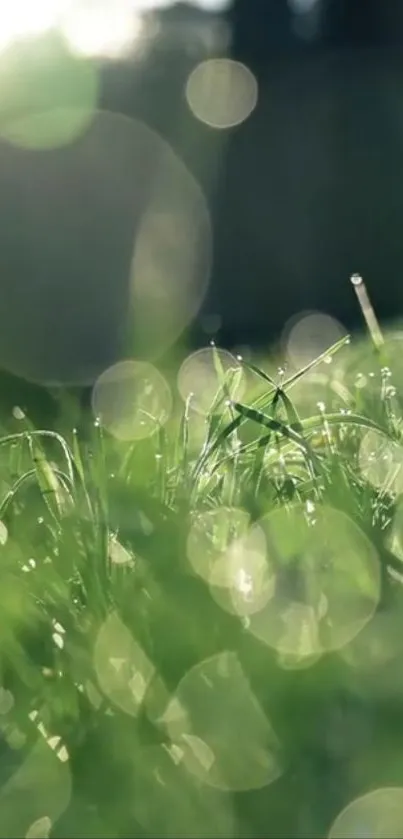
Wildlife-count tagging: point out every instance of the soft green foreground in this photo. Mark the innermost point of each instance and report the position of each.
(201, 633)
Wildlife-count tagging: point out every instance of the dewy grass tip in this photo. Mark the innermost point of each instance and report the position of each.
(367, 310)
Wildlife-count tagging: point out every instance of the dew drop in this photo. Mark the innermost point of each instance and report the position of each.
(3, 533)
(39, 829)
(59, 640)
(18, 413)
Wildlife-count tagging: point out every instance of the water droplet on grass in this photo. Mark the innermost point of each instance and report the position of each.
(3, 533)
(18, 413)
(59, 640)
(40, 829)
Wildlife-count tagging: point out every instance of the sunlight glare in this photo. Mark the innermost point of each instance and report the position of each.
(27, 18)
(102, 29)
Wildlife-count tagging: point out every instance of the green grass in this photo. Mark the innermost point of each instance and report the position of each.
(201, 633)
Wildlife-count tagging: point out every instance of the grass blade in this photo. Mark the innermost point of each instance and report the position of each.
(275, 425)
(313, 424)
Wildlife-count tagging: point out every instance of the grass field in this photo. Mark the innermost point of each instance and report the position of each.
(201, 630)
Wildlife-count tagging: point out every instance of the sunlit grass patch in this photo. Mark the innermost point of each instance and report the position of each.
(199, 585)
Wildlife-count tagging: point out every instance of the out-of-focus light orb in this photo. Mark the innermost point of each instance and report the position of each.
(109, 251)
(241, 581)
(381, 462)
(215, 719)
(48, 97)
(308, 335)
(40, 785)
(394, 537)
(375, 652)
(327, 581)
(375, 815)
(131, 400)
(230, 555)
(104, 28)
(168, 801)
(172, 249)
(221, 92)
(207, 374)
(211, 535)
(123, 670)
